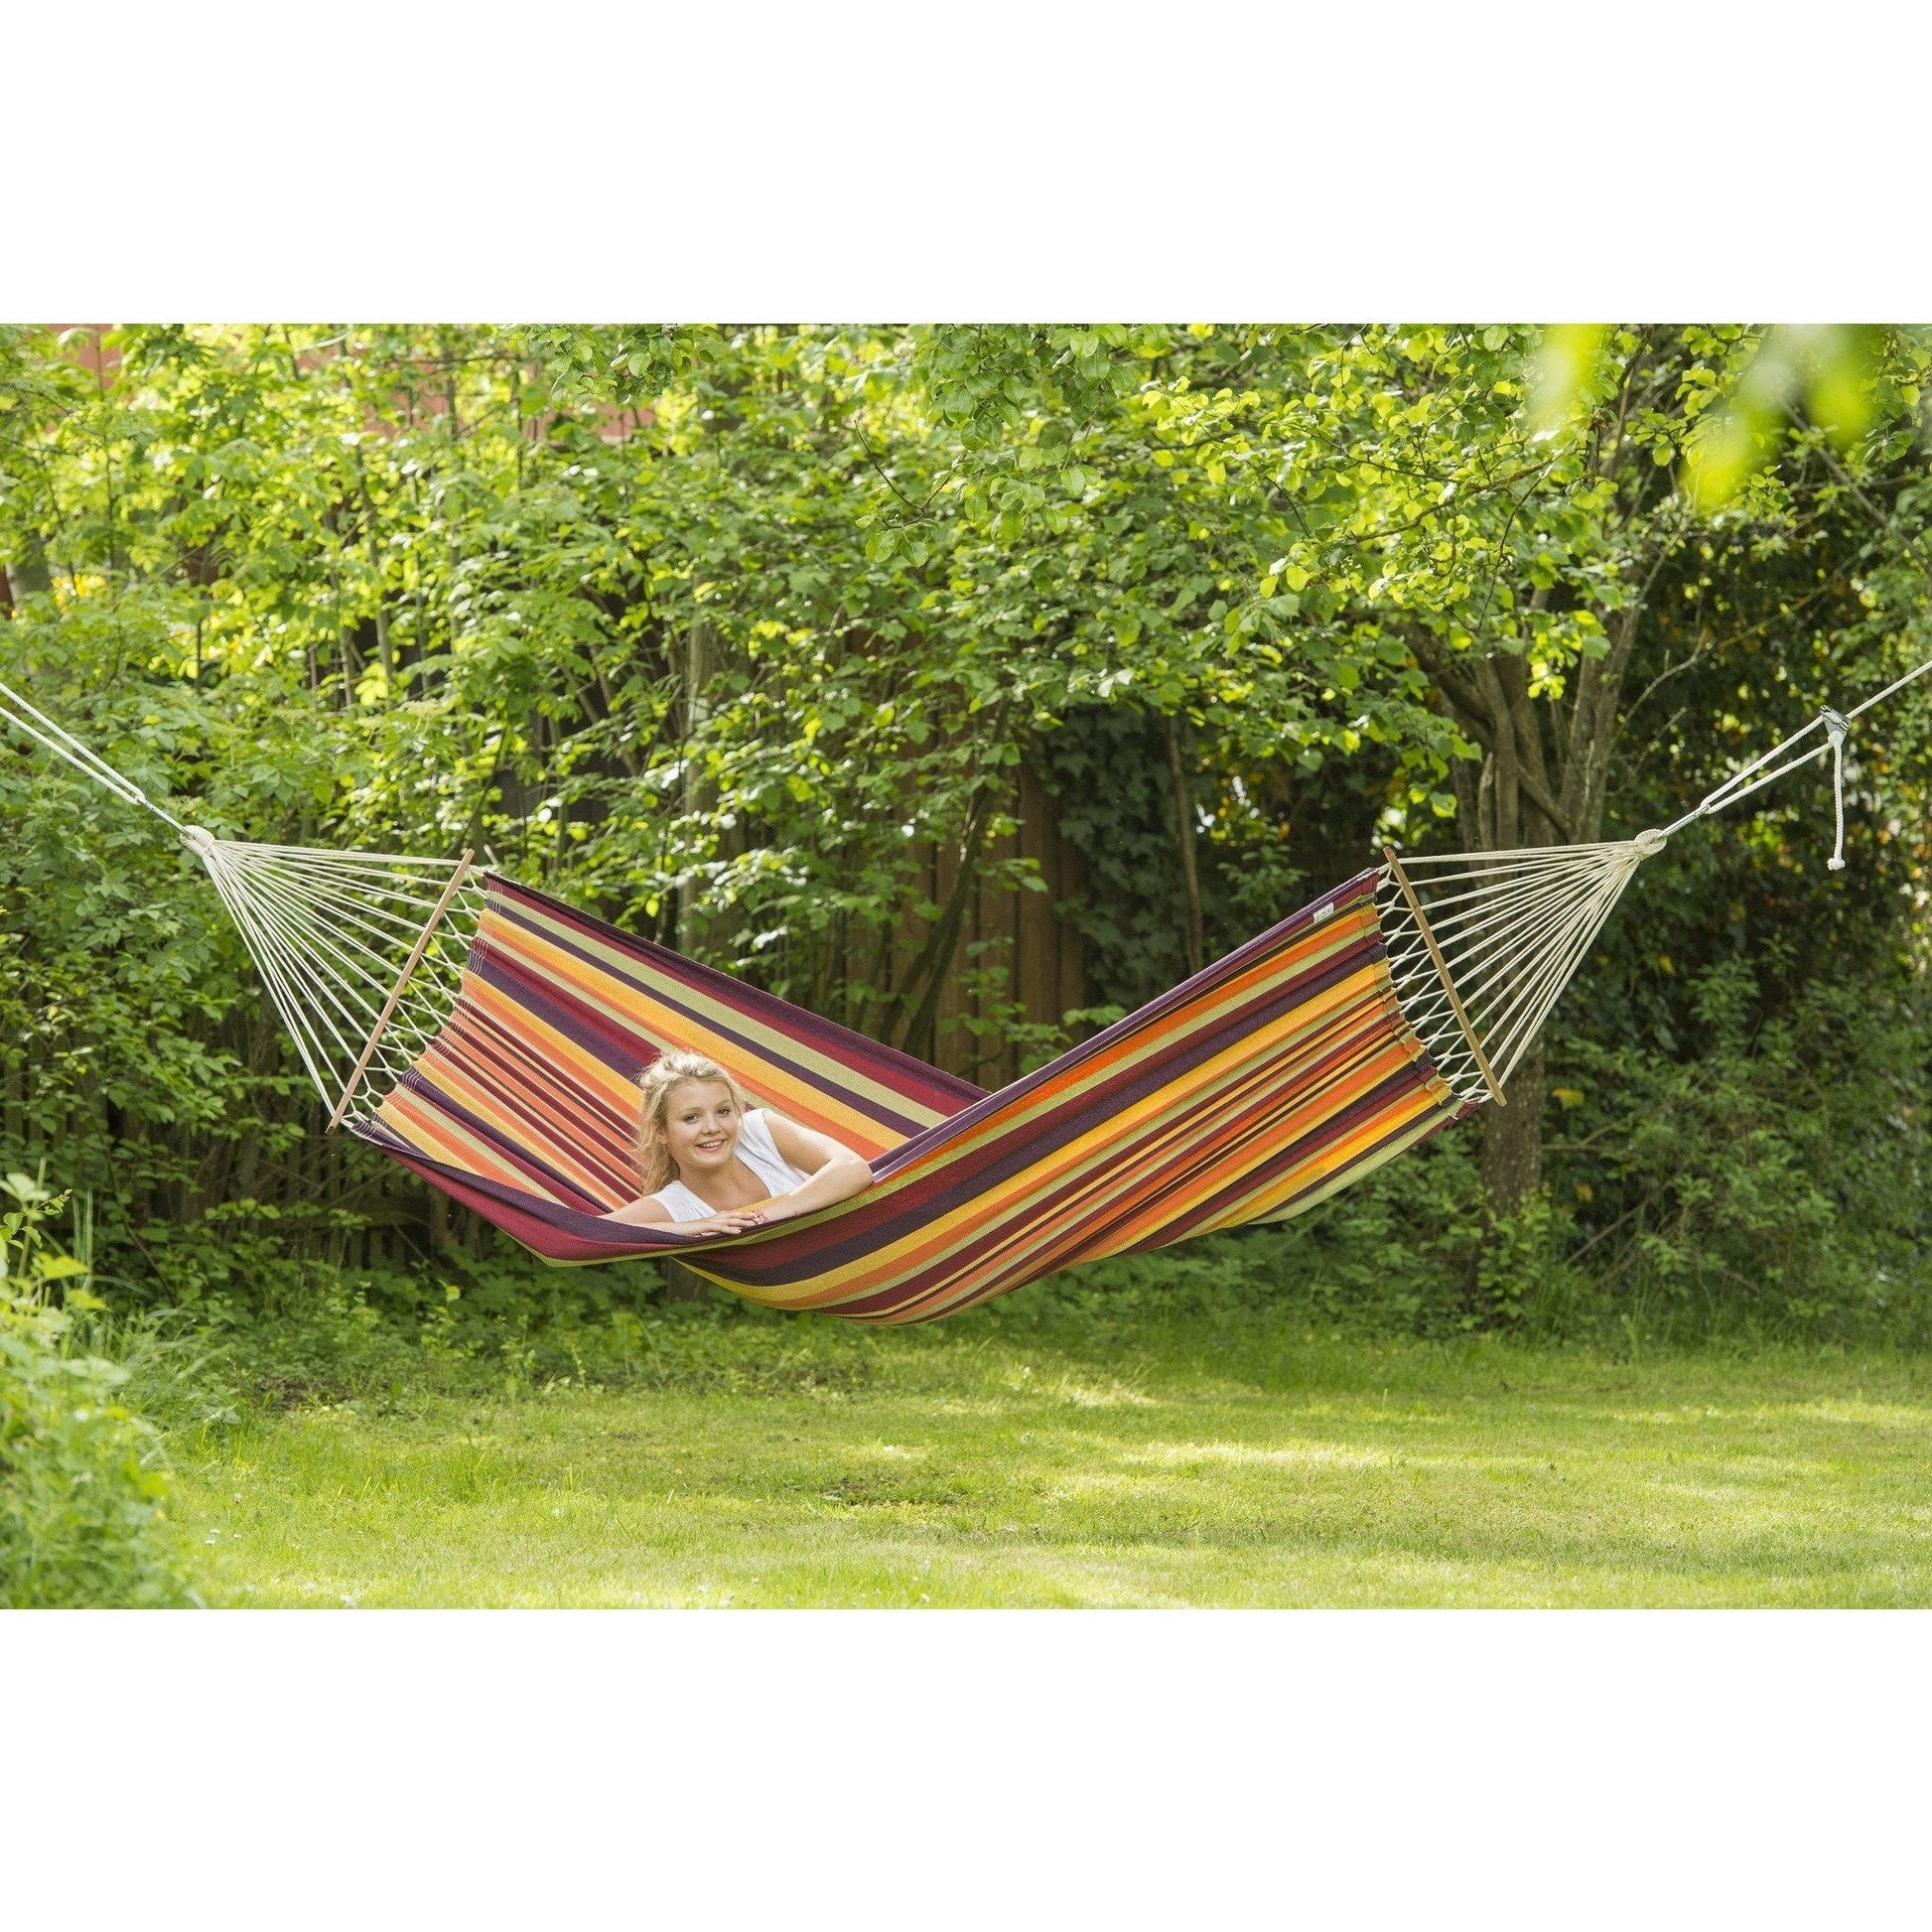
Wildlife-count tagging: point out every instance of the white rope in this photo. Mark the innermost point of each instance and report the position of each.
(331, 939)
(1834, 724)
(34, 723)
(1837, 725)
(1513, 926)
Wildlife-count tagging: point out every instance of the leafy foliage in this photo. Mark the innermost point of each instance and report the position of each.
(83, 1489)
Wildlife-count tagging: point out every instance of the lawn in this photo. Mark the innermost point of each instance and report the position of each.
(999, 1460)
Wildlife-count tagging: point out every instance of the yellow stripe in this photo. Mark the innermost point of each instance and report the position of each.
(1097, 1151)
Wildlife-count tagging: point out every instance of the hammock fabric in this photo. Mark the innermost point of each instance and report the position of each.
(1247, 1094)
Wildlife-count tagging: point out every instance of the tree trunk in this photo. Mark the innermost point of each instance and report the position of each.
(1195, 934)
(1512, 1136)
(27, 573)
(1537, 786)
(919, 1033)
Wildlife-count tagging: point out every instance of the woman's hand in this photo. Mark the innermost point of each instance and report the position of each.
(733, 1222)
(652, 1213)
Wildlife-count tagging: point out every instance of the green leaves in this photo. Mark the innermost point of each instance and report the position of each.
(1831, 379)
(1568, 374)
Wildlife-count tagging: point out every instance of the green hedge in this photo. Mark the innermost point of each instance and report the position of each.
(83, 1490)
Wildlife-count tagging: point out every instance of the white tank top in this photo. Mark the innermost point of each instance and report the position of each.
(759, 1150)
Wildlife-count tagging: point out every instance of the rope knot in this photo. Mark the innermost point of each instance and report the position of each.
(1836, 725)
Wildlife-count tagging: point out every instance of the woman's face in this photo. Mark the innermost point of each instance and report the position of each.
(700, 1126)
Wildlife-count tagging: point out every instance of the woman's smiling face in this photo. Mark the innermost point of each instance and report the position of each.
(701, 1122)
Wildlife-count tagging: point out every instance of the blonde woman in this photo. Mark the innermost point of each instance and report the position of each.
(713, 1164)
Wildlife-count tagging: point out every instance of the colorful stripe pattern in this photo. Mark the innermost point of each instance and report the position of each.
(1254, 1090)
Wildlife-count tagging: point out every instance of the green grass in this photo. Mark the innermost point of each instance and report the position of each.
(1006, 1460)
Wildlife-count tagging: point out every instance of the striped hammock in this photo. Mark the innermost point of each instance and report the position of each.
(501, 1065)
(1254, 1090)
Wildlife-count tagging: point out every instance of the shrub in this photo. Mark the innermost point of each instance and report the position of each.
(1774, 1182)
(82, 1487)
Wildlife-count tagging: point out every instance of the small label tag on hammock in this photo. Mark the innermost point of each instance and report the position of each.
(1320, 913)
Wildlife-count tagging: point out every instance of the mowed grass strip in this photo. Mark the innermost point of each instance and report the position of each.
(1027, 1465)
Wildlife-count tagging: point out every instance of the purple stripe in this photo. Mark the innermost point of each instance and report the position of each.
(1336, 1128)
(1135, 1081)
(777, 1260)
(425, 1089)
(999, 1160)
(486, 1048)
(1167, 1156)
(1184, 1171)
(559, 1011)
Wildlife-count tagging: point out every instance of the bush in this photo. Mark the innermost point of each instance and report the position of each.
(1774, 1182)
(82, 1487)
(1770, 1182)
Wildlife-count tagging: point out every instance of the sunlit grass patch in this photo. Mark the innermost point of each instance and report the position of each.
(1022, 1464)
(1287, 1455)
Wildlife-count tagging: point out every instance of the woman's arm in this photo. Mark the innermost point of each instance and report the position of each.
(647, 1212)
(650, 1213)
(837, 1174)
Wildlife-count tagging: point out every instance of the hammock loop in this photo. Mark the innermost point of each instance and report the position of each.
(1836, 725)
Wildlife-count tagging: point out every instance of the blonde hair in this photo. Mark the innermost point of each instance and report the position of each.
(669, 1071)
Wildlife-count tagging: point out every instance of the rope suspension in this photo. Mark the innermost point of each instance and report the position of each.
(34, 723)
(361, 952)
(1481, 944)
(1834, 725)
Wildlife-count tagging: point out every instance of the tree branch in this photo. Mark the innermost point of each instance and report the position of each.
(1458, 688)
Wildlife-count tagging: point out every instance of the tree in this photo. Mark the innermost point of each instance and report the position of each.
(1444, 540)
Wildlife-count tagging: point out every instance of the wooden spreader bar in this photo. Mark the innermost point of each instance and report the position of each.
(409, 966)
(1401, 878)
